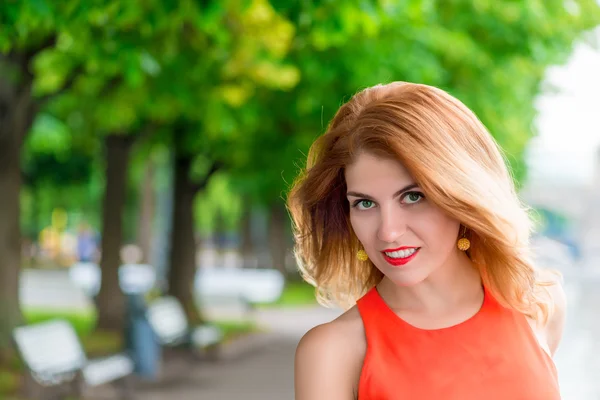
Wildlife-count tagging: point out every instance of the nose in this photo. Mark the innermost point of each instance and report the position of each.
(392, 225)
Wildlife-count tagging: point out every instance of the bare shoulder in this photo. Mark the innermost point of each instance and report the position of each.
(329, 359)
(556, 320)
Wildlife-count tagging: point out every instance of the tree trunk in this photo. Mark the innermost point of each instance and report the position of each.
(111, 301)
(182, 256)
(10, 237)
(145, 221)
(278, 244)
(17, 111)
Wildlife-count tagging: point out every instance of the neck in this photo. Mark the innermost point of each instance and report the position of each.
(453, 283)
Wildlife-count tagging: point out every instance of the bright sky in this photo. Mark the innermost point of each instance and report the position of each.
(569, 122)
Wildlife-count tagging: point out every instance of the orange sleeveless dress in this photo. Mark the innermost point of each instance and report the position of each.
(494, 355)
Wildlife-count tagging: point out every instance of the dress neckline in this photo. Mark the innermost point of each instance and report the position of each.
(384, 307)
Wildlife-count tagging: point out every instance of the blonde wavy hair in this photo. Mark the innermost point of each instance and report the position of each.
(454, 160)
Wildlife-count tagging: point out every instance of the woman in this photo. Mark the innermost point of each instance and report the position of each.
(407, 213)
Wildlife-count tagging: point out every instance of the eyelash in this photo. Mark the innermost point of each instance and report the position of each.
(357, 202)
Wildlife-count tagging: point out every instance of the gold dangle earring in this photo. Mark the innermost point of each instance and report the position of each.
(362, 255)
(463, 243)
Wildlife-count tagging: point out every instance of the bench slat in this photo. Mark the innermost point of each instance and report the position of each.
(98, 372)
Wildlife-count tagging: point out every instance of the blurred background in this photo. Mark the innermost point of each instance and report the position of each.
(146, 148)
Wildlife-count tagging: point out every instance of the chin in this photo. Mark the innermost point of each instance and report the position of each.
(405, 281)
(405, 277)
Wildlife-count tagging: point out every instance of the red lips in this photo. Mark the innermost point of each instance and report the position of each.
(396, 262)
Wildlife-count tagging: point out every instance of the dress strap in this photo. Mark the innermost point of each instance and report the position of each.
(374, 313)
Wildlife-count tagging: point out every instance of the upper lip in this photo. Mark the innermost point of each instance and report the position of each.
(399, 248)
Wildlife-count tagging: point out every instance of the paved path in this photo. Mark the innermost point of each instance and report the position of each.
(264, 374)
(261, 375)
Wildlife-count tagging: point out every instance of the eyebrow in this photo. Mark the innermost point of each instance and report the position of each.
(398, 193)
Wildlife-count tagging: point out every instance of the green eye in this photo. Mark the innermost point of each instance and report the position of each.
(413, 197)
(367, 203)
(364, 204)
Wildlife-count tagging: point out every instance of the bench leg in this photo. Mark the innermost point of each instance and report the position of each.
(77, 386)
(62, 390)
(126, 387)
(35, 391)
(31, 387)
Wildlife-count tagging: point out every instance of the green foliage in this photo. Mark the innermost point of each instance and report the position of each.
(491, 55)
(129, 65)
(254, 82)
(52, 155)
(60, 169)
(219, 202)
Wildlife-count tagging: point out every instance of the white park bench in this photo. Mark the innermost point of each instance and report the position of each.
(55, 359)
(230, 293)
(170, 324)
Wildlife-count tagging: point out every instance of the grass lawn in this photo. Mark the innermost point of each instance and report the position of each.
(294, 294)
(83, 321)
(234, 329)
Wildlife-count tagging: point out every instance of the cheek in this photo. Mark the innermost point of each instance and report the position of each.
(439, 231)
(360, 226)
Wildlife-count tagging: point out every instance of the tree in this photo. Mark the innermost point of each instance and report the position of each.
(189, 110)
(29, 31)
(53, 56)
(182, 255)
(108, 104)
(241, 44)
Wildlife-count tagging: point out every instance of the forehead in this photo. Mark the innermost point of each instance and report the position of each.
(370, 171)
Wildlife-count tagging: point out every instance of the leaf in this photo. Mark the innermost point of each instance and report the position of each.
(41, 8)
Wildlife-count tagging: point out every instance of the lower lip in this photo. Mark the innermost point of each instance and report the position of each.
(396, 262)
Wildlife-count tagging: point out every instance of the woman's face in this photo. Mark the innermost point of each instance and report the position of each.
(405, 236)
